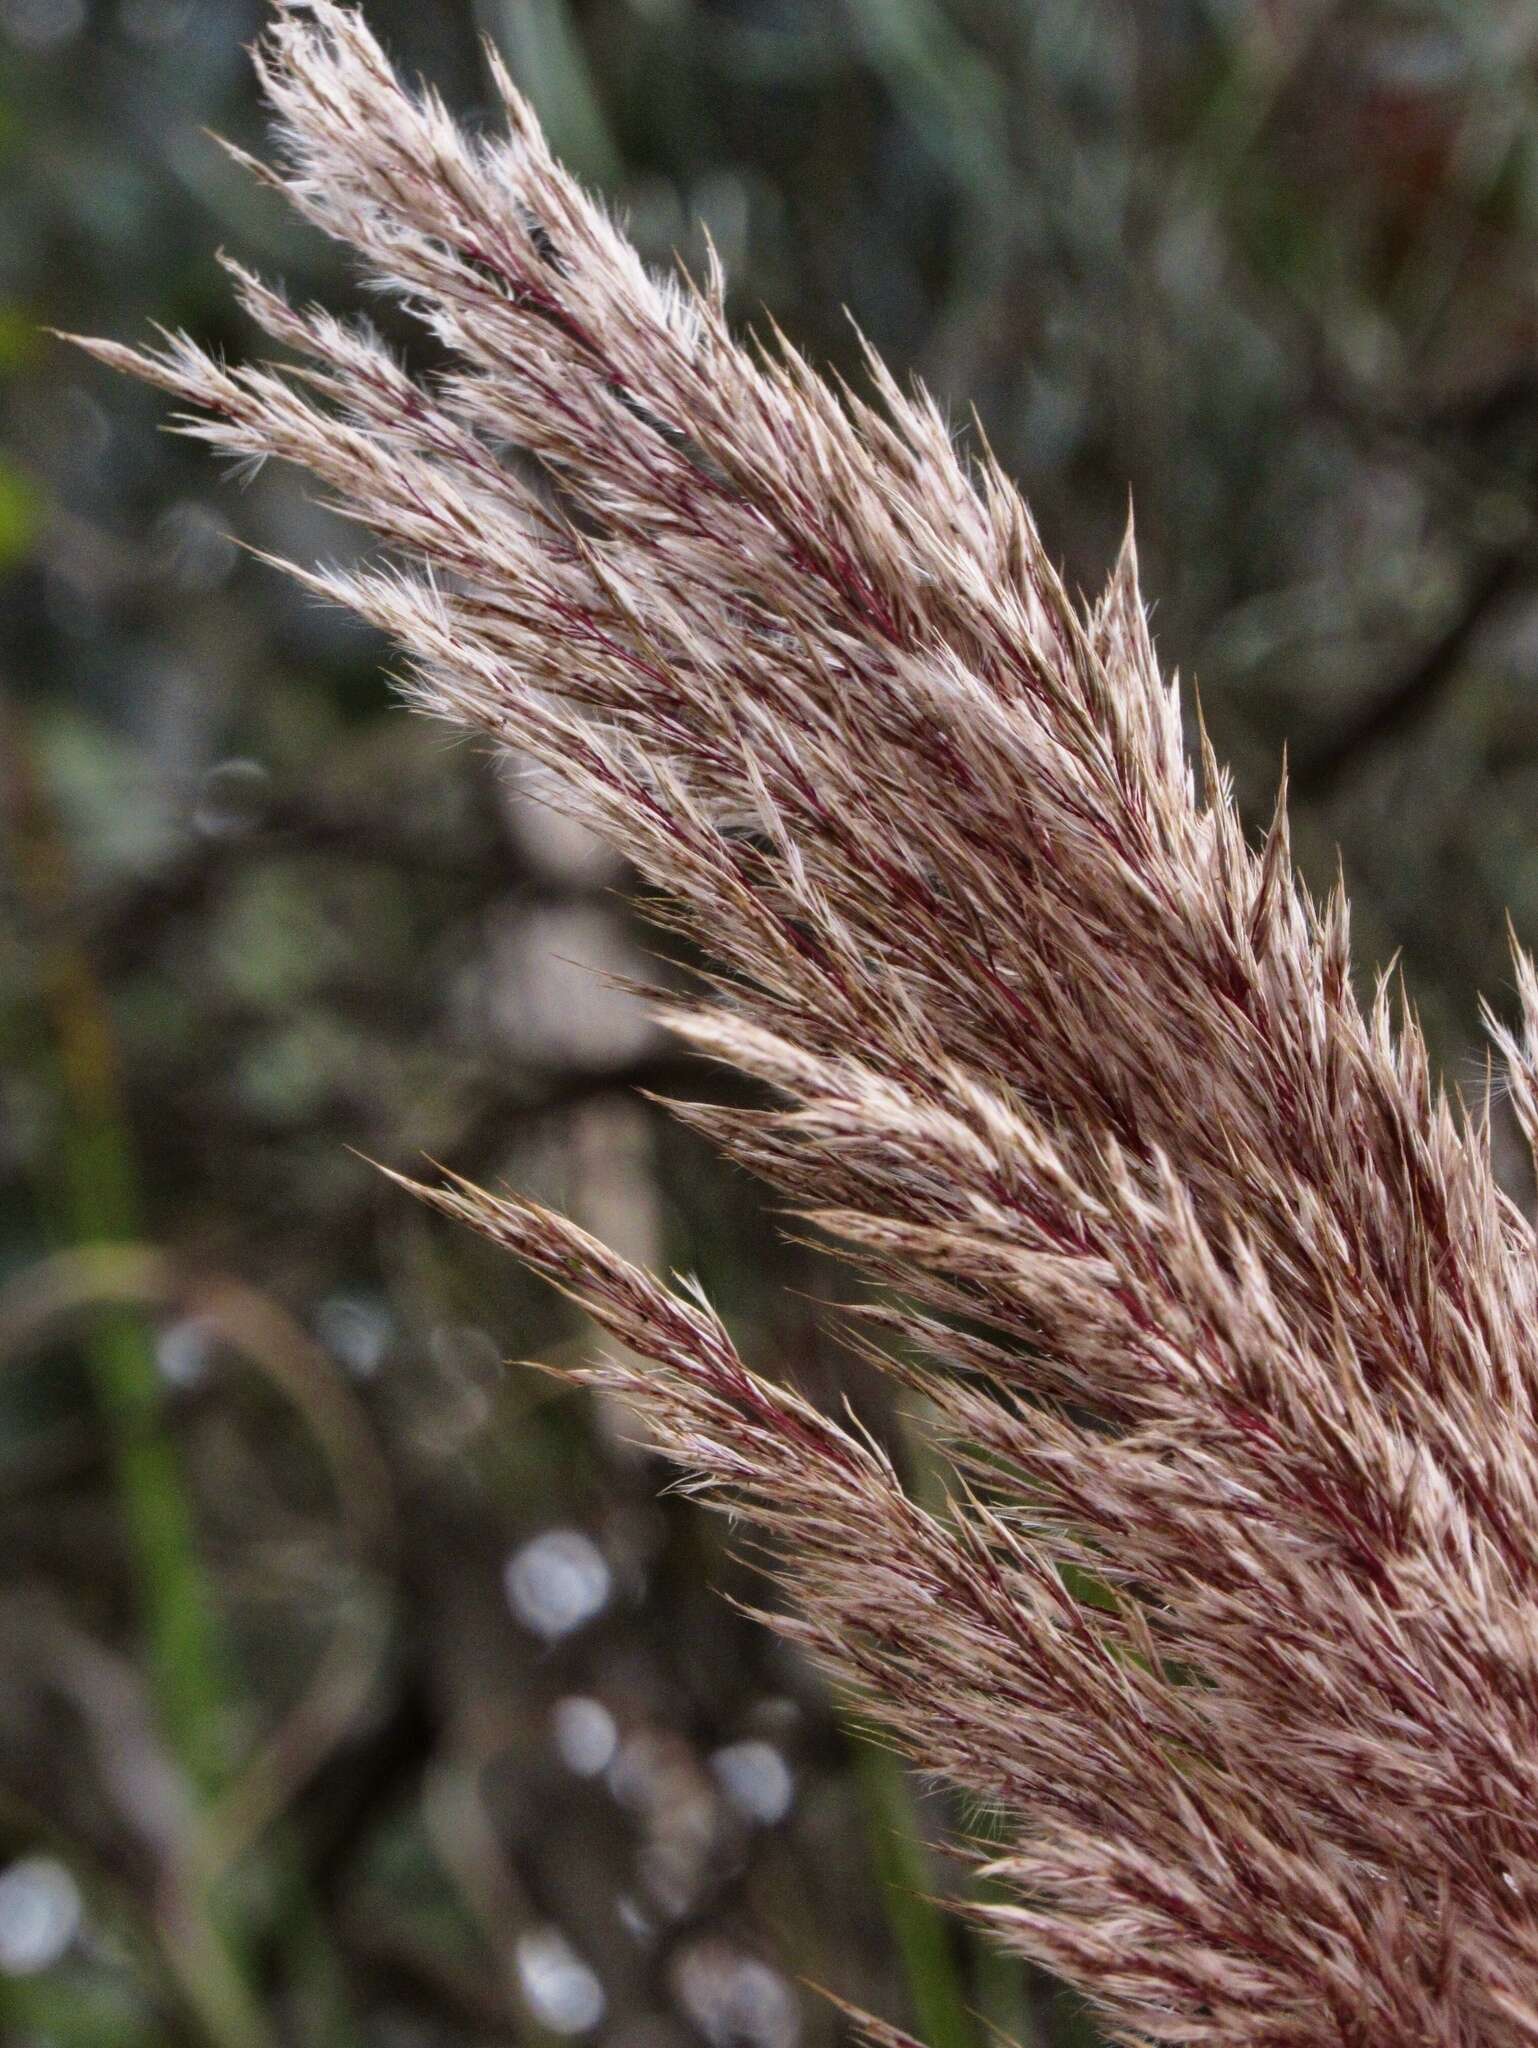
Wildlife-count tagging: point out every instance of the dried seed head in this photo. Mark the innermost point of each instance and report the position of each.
(1214, 1294)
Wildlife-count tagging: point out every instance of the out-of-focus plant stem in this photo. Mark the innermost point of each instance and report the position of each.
(92, 1198)
(925, 1939)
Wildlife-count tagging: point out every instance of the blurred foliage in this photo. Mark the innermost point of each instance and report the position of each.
(356, 1689)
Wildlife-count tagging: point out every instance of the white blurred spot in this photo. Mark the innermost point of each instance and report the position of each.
(355, 1330)
(554, 843)
(557, 1582)
(562, 1992)
(632, 1918)
(735, 2000)
(756, 1779)
(40, 1915)
(183, 1350)
(585, 1735)
(550, 990)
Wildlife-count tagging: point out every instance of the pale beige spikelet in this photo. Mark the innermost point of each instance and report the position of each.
(1214, 1293)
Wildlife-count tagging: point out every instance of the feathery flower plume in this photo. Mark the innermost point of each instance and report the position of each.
(1213, 1292)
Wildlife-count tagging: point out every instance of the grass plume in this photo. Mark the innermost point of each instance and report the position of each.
(1213, 1292)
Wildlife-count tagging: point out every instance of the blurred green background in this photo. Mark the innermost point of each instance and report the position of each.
(355, 1689)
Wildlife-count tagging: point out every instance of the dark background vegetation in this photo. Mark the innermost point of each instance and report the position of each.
(355, 1689)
